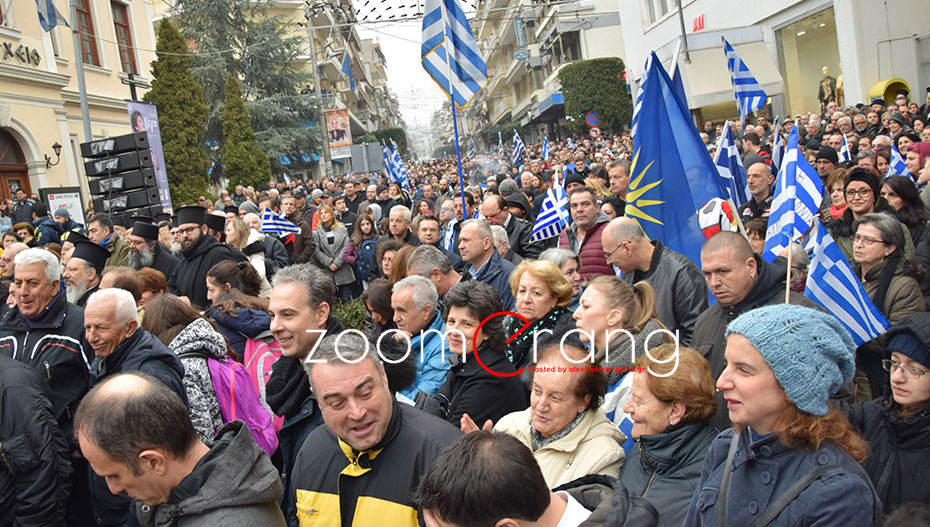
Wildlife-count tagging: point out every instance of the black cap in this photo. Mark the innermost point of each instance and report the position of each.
(903, 92)
(574, 177)
(861, 174)
(144, 230)
(161, 216)
(191, 214)
(143, 219)
(231, 209)
(898, 118)
(119, 220)
(74, 237)
(829, 154)
(91, 253)
(217, 223)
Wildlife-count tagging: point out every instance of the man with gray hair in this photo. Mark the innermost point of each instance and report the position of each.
(111, 326)
(361, 467)
(483, 262)
(430, 262)
(502, 244)
(414, 300)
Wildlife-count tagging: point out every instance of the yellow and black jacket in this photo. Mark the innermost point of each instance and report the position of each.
(338, 487)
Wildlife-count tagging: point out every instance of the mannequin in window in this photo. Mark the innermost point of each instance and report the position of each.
(827, 91)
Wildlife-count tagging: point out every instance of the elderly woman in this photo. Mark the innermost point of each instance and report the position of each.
(570, 265)
(783, 362)
(470, 389)
(896, 427)
(671, 407)
(542, 296)
(569, 435)
(886, 275)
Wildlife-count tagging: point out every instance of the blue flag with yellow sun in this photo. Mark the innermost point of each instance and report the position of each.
(672, 175)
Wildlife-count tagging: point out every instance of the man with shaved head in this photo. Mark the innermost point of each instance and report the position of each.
(740, 281)
(680, 293)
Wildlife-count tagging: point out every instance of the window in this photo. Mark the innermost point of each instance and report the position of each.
(649, 11)
(85, 25)
(124, 37)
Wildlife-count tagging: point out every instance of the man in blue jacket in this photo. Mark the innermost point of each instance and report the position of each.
(414, 300)
(47, 229)
(482, 261)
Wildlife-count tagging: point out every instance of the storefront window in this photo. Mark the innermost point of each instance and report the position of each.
(804, 49)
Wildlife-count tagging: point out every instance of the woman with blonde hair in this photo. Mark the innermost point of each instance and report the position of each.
(331, 238)
(252, 244)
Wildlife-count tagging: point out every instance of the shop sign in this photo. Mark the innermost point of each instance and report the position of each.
(20, 53)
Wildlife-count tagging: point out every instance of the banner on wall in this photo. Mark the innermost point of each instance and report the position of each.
(144, 118)
(340, 136)
(68, 198)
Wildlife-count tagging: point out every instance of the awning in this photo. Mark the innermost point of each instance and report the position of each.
(707, 79)
(888, 89)
(555, 98)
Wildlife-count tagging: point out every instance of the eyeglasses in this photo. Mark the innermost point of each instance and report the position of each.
(609, 255)
(187, 231)
(913, 373)
(867, 240)
(864, 192)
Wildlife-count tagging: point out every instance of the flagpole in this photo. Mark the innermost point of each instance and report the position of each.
(788, 278)
(447, 44)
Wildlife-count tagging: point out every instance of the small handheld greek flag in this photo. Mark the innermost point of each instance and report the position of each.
(749, 93)
(897, 165)
(570, 143)
(545, 153)
(844, 154)
(730, 168)
(518, 148)
(500, 144)
(553, 215)
(272, 222)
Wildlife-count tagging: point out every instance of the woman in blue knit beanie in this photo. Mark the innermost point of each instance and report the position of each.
(791, 459)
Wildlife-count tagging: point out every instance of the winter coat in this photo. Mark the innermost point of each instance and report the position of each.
(374, 268)
(22, 212)
(303, 241)
(473, 390)
(365, 253)
(681, 292)
(193, 345)
(708, 338)
(330, 252)
(593, 263)
(275, 256)
(54, 346)
(240, 325)
(47, 231)
(432, 365)
(119, 251)
(254, 250)
(35, 460)
(233, 484)
(593, 447)
(496, 273)
(611, 505)
(763, 469)
(190, 278)
(903, 297)
(518, 235)
(665, 468)
(164, 261)
(842, 230)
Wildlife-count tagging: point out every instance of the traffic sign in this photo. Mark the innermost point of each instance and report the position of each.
(592, 118)
(594, 132)
(521, 54)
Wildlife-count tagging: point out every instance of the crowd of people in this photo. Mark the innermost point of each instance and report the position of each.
(190, 369)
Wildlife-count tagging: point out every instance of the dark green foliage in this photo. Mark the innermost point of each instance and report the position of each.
(182, 116)
(265, 58)
(385, 136)
(596, 85)
(351, 314)
(244, 163)
(506, 134)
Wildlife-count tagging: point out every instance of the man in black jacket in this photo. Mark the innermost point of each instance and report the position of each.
(83, 272)
(145, 251)
(200, 253)
(494, 209)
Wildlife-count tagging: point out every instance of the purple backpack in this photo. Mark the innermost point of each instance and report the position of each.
(238, 400)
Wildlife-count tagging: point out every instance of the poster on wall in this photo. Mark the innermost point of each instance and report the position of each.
(340, 137)
(144, 118)
(68, 198)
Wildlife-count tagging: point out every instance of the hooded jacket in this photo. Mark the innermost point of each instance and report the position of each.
(164, 261)
(593, 263)
(190, 278)
(592, 447)
(233, 484)
(47, 231)
(496, 273)
(429, 347)
(519, 232)
(611, 505)
(681, 292)
(194, 345)
(240, 325)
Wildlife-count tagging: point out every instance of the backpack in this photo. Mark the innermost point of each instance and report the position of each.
(366, 249)
(259, 356)
(239, 401)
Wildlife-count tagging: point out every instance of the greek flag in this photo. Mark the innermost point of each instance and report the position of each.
(500, 144)
(471, 149)
(640, 94)
(730, 168)
(545, 153)
(49, 15)
(400, 172)
(518, 148)
(272, 222)
(833, 285)
(571, 144)
(749, 94)
(797, 198)
(897, 166)
(347, 69)
(553, 215)
(608, 152)
(446, 32)
(844, 154)
(778, 148)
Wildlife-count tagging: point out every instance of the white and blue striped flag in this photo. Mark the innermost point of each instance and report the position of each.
(730, 168)
(518, 148)
(500, 144)
(832, 283)
(49, 15)
(608, 152)
(446, 33)
(640, 94)
(570, 143)
(797, 198)
(897, 167)
(778, 148)
(844, 154)
(749, 93)
(545, 152)
(553, 215)
(471, 149)
(272, 222)
(400, 171)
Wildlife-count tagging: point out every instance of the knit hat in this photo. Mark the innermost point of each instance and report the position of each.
(861, 174)
(63, 213)
(316, 193)
(898, 118)
(573, 178)
(811, 353)
(907, 343)
(248, 207)
(829, 154)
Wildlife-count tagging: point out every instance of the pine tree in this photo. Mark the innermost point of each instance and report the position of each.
(244, 163)
(596, 85)
(182, 116)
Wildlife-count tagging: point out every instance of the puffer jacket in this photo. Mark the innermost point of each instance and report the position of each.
(903, 297)
(255, 251)
(240, 325)
(611, 505)
(193, 345)
(47, 231)
(593, 447)
(593, 263)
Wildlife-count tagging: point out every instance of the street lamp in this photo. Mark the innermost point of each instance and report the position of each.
(48, 161)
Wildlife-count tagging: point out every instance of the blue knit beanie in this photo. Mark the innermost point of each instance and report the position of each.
(811, 353)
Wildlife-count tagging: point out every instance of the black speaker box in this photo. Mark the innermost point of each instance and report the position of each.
(123, 182)
(115, 145)
(118, 164)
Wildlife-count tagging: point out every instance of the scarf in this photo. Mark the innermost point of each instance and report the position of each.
(288, 387)
(538, 441)
(520, 348)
